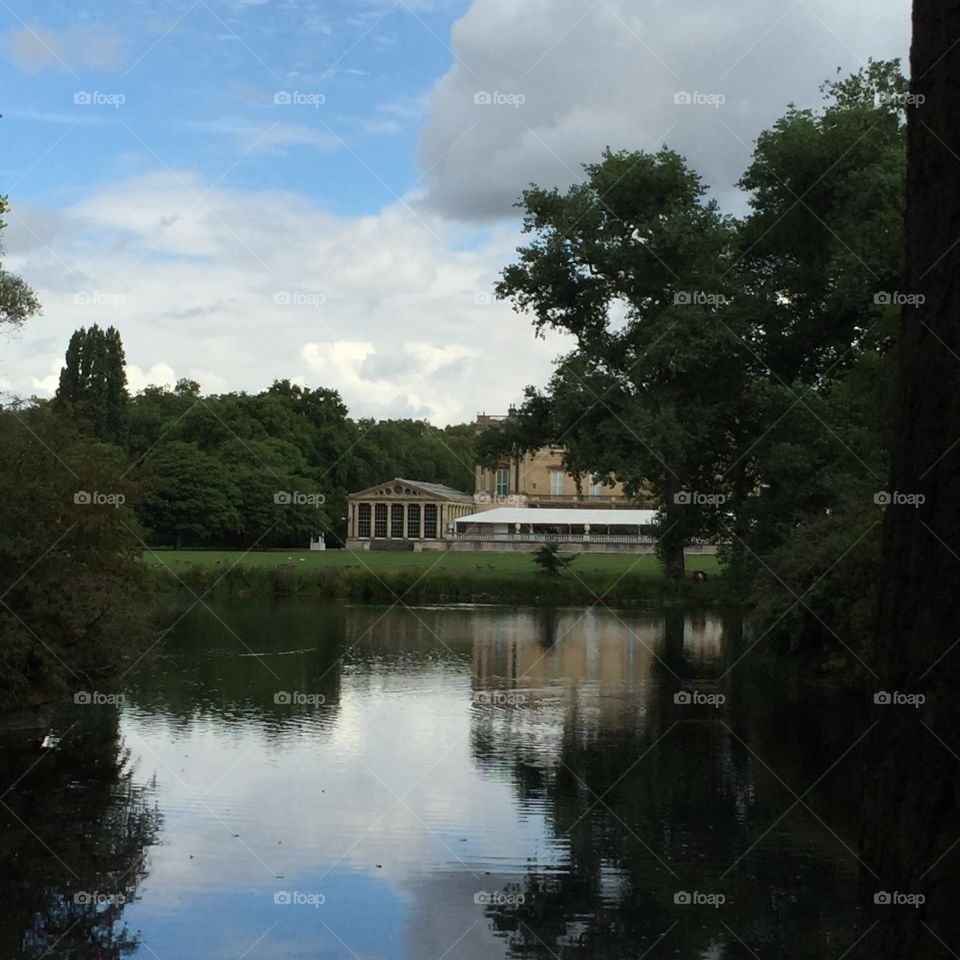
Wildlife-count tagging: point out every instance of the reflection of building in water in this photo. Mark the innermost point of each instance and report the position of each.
(599, 665)
(702, 639)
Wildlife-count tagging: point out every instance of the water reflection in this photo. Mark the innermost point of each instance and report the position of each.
(77, 824)
(481, 782)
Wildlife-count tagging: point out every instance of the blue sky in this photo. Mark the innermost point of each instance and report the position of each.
(198, 85)
(258, 189)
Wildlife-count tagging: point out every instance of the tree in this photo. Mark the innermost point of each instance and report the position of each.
(18, 302)
(191, 500)
(75, 601)
(912, 809)
(93, 382)
(635, 264)
(550, 562)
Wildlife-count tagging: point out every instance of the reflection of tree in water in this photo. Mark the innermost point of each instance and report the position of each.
(231, 662)
(76, 831)
(644, 822)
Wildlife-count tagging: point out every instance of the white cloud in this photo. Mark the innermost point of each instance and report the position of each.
(236, 288)
(159, 375)
(597, 74)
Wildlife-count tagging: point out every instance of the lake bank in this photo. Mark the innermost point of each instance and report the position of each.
(373, 577)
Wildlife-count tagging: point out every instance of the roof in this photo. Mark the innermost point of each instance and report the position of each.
(438, 490)
(575, 516)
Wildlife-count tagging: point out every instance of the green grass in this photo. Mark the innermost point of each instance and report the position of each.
(430, 576)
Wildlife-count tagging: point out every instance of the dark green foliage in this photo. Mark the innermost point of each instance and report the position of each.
(74, 606)
(550, 561)
(93, 383)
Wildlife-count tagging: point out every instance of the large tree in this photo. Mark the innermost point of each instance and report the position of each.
(93, 382)
(634, 263)
(912, 819)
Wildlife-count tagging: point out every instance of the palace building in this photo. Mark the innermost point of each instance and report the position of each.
(539, 479)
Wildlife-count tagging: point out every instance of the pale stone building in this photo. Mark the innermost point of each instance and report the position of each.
(405, 515)
(539, 479)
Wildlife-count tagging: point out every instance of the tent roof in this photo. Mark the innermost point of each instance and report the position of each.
(575, 516)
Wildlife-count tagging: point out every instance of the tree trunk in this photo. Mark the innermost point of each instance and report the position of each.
(672, 539)
(912, 804)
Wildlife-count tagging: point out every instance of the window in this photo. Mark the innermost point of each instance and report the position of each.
(556, 483)
(413, 521)
(430, 522)
(396, 520)
(595, 488)
(503, 481)
(363, 520)
(380, 520)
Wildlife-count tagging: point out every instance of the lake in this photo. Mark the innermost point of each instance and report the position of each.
(288, 779)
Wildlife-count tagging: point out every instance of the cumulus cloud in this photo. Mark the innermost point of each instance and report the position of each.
(393, 309)
(37, 48)
(541, 87)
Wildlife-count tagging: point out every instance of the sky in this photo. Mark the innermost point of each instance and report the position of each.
(253, 190)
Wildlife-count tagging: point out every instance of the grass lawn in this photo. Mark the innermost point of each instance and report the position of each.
(514, 565)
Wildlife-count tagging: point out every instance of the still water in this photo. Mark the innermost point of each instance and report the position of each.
(294, 780)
